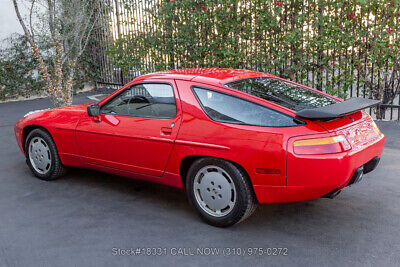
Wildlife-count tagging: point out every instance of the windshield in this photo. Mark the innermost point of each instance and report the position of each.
(283, 93)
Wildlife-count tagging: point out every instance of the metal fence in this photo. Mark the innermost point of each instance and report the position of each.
(113, 23)
(117, 20)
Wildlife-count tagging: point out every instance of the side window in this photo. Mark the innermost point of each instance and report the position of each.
(144, 100)
(225, 108)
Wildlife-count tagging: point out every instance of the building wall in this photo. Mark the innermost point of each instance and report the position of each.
(8, 20)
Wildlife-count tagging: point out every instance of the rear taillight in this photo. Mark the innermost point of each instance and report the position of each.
(325, 145)
(375, 127)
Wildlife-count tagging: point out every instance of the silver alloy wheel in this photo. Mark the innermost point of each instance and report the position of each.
(214, 191)
(39, 155)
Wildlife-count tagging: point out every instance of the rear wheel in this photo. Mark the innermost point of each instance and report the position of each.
(42, 156)
(220, 192)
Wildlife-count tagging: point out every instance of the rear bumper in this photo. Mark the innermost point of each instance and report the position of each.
(311, 177)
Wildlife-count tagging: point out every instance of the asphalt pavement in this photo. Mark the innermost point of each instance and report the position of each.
(89, 218)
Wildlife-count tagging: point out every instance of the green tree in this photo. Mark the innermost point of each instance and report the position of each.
(18, 70)
(66, 26)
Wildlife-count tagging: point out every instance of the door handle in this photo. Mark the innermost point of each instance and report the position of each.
(166, 130)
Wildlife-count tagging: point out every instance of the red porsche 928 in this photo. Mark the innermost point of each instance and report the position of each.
(231, 138)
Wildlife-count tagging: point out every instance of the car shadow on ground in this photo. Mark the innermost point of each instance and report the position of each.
(158, 195)
(119, 186)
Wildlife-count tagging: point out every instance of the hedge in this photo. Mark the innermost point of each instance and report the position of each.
(344, 47)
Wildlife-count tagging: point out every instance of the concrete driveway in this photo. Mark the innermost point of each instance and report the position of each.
(86, 217)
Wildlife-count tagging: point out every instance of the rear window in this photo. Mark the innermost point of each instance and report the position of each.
(282, 93)
(230, 109)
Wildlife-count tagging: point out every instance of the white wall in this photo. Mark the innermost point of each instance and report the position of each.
(8, 20)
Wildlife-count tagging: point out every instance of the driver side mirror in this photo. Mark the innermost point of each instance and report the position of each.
(93, 110)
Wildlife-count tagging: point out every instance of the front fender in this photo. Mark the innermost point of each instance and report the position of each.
(60, 123)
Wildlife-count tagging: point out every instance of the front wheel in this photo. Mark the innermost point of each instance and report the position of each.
(220, 192)
(42, 156)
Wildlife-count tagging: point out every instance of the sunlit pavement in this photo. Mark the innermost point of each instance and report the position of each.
(86, 217)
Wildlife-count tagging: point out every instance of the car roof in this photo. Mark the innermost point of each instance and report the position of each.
(206, 75)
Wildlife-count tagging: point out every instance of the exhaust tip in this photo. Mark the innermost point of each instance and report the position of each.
(371, 165)
(357, 176)
(332, 194)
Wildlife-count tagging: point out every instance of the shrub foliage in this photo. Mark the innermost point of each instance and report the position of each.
(18, 74)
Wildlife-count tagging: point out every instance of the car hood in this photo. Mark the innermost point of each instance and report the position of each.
(76, 107)
(65, 117)
(71, 108)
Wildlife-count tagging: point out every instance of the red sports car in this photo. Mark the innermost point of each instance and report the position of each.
(231, 138)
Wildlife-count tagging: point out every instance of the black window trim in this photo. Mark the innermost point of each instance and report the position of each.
(279, 79)
(295, 120)
(145, 117)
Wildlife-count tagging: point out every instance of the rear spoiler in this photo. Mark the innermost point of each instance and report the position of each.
(340, 109)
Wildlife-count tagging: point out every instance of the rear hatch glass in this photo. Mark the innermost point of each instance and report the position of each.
(283, 93)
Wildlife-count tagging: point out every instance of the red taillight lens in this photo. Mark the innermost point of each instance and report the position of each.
(325, 145)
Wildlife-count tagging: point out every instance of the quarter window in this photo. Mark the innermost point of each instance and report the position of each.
(144, 100)
(226, 108)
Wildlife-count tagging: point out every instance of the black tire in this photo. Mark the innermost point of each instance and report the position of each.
(245, 203)
(56, 168)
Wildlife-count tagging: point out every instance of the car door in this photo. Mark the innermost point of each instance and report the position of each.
(135, 130)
